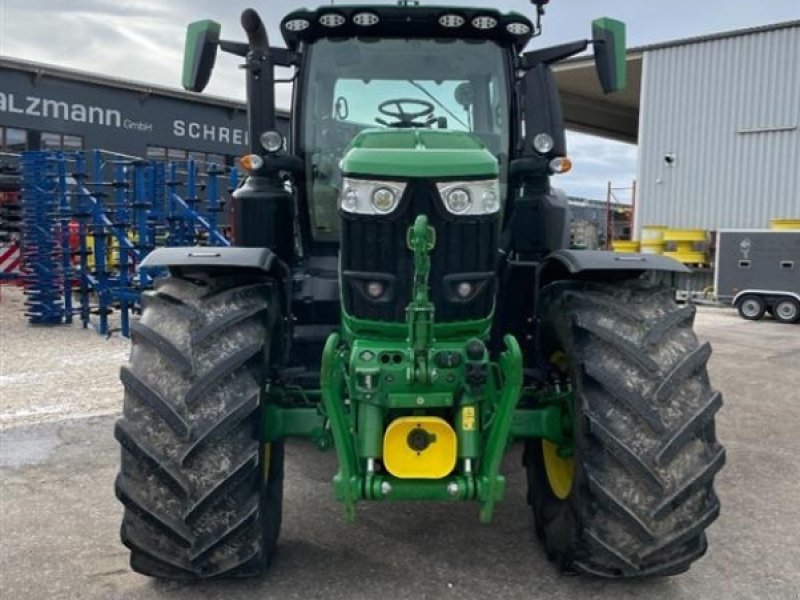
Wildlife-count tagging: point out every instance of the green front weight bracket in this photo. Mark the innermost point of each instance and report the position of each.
(346, 481)
(490, 483)
(456, 487)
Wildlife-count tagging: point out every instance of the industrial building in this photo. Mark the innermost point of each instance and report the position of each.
(717, 124)
(719, 137)
(52, 108)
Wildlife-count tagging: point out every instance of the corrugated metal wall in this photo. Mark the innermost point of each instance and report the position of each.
(729, 112)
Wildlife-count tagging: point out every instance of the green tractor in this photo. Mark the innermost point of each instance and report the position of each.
(401, 290)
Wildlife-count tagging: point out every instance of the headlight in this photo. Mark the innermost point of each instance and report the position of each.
(458, 200)
(362, 197)
(384, 200)
(296, 25)
(271, 141)
(471, 197)
(543, 143)
(518, 28)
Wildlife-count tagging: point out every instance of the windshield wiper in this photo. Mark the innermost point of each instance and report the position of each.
(438, 102)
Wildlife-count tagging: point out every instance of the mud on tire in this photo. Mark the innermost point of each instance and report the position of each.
(202, 495)
(646, 451)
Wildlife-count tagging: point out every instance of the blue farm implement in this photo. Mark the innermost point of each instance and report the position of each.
(89, 219)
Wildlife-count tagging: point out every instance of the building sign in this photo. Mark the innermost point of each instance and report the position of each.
(125, 120)
(213, 133)
(48, 108)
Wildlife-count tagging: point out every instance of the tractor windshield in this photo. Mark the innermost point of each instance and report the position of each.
(355, 84)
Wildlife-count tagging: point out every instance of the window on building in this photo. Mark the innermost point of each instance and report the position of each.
(60, 141)
(176, 154)
(199, 159)
(216, 159)
(203, 160)
(13, 139)
(156, 153)
(72, 142)
(50, 141)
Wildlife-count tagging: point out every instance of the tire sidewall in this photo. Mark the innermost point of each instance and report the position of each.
(776, 313)
(755, 316)
(271, 493)
(272, 499)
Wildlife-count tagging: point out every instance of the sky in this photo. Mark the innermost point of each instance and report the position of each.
(142, 40)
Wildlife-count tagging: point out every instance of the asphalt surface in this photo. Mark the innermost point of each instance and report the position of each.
(59, 519)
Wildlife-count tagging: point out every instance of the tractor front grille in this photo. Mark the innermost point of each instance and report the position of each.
(373, 249)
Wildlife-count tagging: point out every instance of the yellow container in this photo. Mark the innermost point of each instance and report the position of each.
(653, 239)
(625, 246)
(653, 247)
(692, 257)
(785, 224)
(653, 233)
(685, 236)
(684, 245)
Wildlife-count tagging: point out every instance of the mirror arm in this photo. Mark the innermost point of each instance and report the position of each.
(281, 57)
(553, 54)
(235, 48)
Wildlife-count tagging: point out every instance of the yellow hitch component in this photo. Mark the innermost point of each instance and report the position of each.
(419, 448)
(560, 471)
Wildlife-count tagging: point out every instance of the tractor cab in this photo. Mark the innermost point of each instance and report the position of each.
(373, 77)
(392, 125)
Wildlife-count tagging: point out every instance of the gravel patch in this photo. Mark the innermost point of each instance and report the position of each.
(51, 373)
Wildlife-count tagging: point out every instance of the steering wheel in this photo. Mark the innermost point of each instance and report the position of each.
(407, 118)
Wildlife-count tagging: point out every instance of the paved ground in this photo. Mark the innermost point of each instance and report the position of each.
(59, 518)
(43, 370)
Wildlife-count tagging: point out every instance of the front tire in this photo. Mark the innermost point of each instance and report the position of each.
(202, 494)
(637, 495)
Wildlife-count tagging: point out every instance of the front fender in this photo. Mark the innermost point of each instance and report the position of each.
(578, 264)
(208, 257)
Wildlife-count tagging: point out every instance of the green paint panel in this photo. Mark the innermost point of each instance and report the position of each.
(422, 153)
(547, 423)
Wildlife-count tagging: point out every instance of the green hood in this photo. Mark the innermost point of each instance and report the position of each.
(423, 153)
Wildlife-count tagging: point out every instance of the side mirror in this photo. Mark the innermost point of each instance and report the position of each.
(608, 36)
(200, 53)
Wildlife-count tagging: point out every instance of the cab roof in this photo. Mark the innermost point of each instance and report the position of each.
(406, 21)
